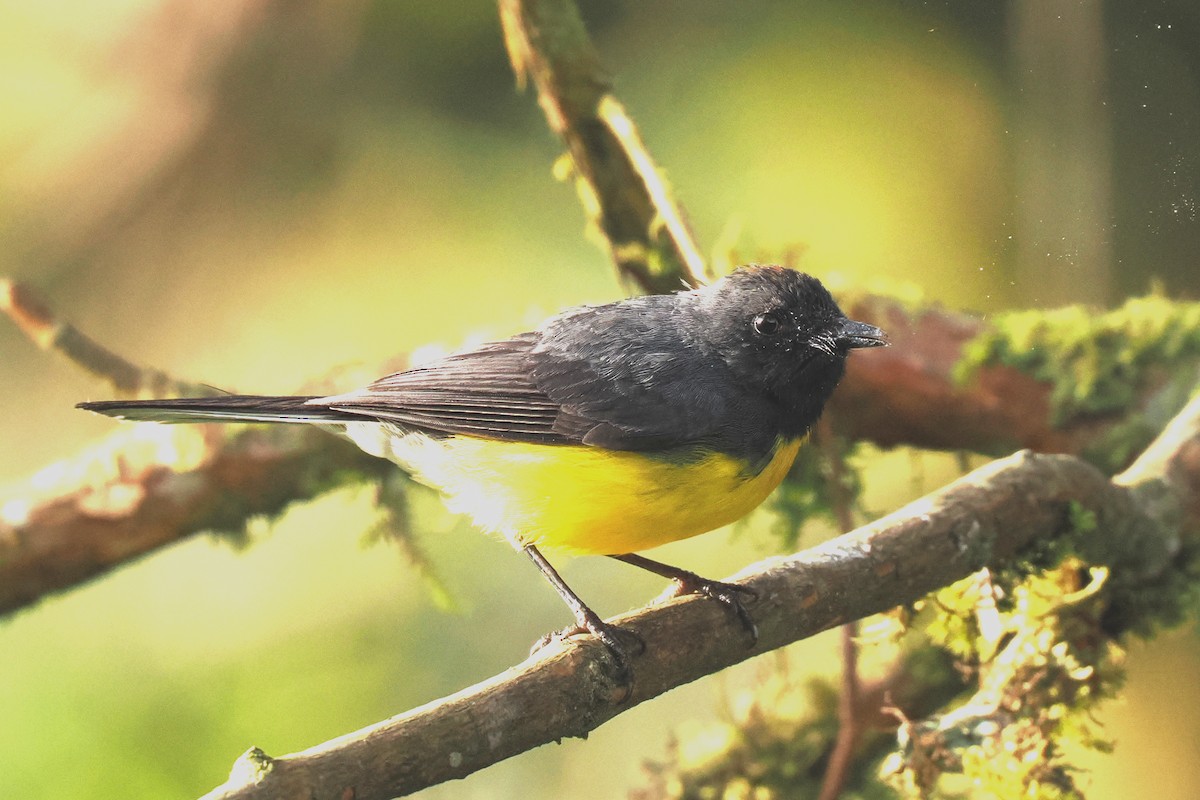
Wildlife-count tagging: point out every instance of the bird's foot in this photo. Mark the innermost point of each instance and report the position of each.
(687, 582)
(621, 644)
(729, 595)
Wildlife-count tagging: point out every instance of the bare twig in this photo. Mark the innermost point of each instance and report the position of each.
(850, 707)
(622, 191)
(849, 699)
(984, 519)
(35, 319)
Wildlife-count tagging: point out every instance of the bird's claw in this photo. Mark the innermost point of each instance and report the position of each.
(727, 594)
(621, 644)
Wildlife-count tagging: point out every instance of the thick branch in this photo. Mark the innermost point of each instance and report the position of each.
(984, 519)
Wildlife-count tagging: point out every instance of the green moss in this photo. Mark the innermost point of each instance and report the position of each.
(1097, 363)
(1144, 607)
(1040, 637)
(394, 526)
(1081, 519)
(1042, 663)
(294, 479)
(775, 743)
(312, 464)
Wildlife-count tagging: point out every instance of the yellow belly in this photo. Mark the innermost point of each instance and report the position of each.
(587, 499)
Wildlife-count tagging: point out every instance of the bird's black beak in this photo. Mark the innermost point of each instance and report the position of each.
(860, 334)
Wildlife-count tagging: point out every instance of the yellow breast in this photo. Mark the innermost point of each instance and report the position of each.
(587, 499)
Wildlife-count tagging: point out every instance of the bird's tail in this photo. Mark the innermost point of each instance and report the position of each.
(231, 408)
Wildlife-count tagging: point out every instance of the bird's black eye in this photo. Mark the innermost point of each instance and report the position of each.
(767, 324)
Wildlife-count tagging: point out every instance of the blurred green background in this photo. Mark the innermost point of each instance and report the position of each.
(251, 193)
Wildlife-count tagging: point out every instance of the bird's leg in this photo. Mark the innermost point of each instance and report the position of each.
(727, 594)
(587, 620)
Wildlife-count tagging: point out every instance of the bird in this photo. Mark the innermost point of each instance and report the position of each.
(607, 430)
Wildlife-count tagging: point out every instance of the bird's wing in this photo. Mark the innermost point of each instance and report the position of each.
(486, 392)
(629, 377)
(595, 376)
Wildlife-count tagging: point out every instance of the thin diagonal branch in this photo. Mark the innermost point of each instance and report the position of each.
(850, 706)
(622, 191)
(987, 518)
(35, 319)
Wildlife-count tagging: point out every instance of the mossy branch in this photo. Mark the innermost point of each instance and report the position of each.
(1073, 380)
(147, 487)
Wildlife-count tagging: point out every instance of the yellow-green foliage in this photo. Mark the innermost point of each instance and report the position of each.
(1043, 662)
(1142, 357)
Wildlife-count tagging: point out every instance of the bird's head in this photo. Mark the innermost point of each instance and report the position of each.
(781, 331)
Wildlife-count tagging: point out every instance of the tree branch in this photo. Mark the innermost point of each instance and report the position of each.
(986, 518)
(142, 489)
(147, 487)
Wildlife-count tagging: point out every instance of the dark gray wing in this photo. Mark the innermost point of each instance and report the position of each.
(486, 392)
(621, 376)
(631, 377)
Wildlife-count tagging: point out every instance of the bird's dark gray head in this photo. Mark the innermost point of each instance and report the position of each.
(781, 332)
